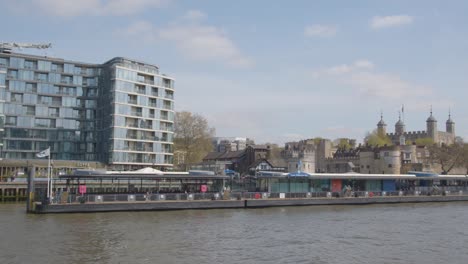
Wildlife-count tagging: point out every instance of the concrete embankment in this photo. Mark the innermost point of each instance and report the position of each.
(228, 204)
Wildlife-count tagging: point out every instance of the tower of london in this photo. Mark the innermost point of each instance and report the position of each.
(400, 136)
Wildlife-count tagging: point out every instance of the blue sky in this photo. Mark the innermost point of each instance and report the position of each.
(274, 71)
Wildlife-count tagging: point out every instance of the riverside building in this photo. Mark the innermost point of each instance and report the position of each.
(119, 114)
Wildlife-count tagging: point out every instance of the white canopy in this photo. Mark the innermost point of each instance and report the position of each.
(147, 170)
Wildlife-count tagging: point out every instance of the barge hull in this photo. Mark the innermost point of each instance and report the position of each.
(230, 204)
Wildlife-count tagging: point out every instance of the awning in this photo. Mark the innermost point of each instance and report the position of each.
(299, 174)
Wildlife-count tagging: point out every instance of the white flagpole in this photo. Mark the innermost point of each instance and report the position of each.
(49, 183)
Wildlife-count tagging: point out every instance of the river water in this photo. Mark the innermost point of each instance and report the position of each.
(404, 233)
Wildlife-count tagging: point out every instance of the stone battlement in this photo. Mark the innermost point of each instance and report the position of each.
(409, 133)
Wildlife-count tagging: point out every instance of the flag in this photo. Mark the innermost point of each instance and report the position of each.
(44, 153)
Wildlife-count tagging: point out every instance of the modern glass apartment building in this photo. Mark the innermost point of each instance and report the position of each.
(119, 113)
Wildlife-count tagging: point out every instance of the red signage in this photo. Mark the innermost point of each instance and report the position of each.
(82, 189)
(203, 188)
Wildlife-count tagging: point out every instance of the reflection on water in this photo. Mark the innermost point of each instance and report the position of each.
(419, 233)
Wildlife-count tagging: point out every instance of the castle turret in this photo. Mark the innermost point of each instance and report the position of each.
(450, 125)
(381, 126)
(431, 124)
(399, 126)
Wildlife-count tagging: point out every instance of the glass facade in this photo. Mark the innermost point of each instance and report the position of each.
(120, 113)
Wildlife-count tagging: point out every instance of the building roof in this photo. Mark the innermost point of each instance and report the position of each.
(381, 123)
(259, 147)
(431, 118)
(224, 155)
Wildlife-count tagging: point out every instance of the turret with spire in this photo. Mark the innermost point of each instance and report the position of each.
(399, 126)
(431, 124)
(450, 125)
(381, 126)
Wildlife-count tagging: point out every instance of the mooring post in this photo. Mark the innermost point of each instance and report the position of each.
(30, 195)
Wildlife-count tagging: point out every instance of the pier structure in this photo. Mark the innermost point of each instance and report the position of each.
(197, 190)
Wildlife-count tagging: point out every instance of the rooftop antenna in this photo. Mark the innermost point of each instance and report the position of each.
(403, 112)
(7, 47)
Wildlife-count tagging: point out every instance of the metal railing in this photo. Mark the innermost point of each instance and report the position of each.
(61, 198)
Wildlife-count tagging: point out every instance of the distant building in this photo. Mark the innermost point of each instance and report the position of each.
(245, 162)
(223, 144)
(300, 156)
(401, 135)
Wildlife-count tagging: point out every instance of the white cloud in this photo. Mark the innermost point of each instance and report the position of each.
(320, 31)
(360, 75)
(194, 15)
(193, 39)
(345, 68)
(73, 8)
(386, 85)
(379, 22)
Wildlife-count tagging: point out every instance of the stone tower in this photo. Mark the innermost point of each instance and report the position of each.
(381, 126)
(399, 126)
(450, 125)
(431, 124)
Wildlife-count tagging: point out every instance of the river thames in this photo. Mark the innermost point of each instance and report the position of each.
(405, 233)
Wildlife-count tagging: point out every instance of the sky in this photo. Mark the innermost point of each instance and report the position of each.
(274, 71)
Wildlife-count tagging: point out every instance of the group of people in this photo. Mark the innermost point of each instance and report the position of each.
(347, 189)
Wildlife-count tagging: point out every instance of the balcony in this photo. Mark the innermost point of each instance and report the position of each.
(28, 67)
(132, 101)
(136, 114)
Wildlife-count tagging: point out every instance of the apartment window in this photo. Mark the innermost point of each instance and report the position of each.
(57, 67)
(41, 77)
(16, 97)
(3, 62)
(30, 110)
(13, 74)
(53, 112)
(137, 111)
(167, 83)
(29, 65)
(131, 99)
(31, 87)
(141, 89)
(390, 165)
(152, 102)
(10, 121)
(154, 91)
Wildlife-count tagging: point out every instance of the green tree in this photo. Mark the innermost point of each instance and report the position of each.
(377, 139)
(342, 143)
(192, 137)
(424, 141)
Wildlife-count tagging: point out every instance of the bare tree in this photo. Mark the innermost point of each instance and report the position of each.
(447, 156)
(464, 158)
(193, 137)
